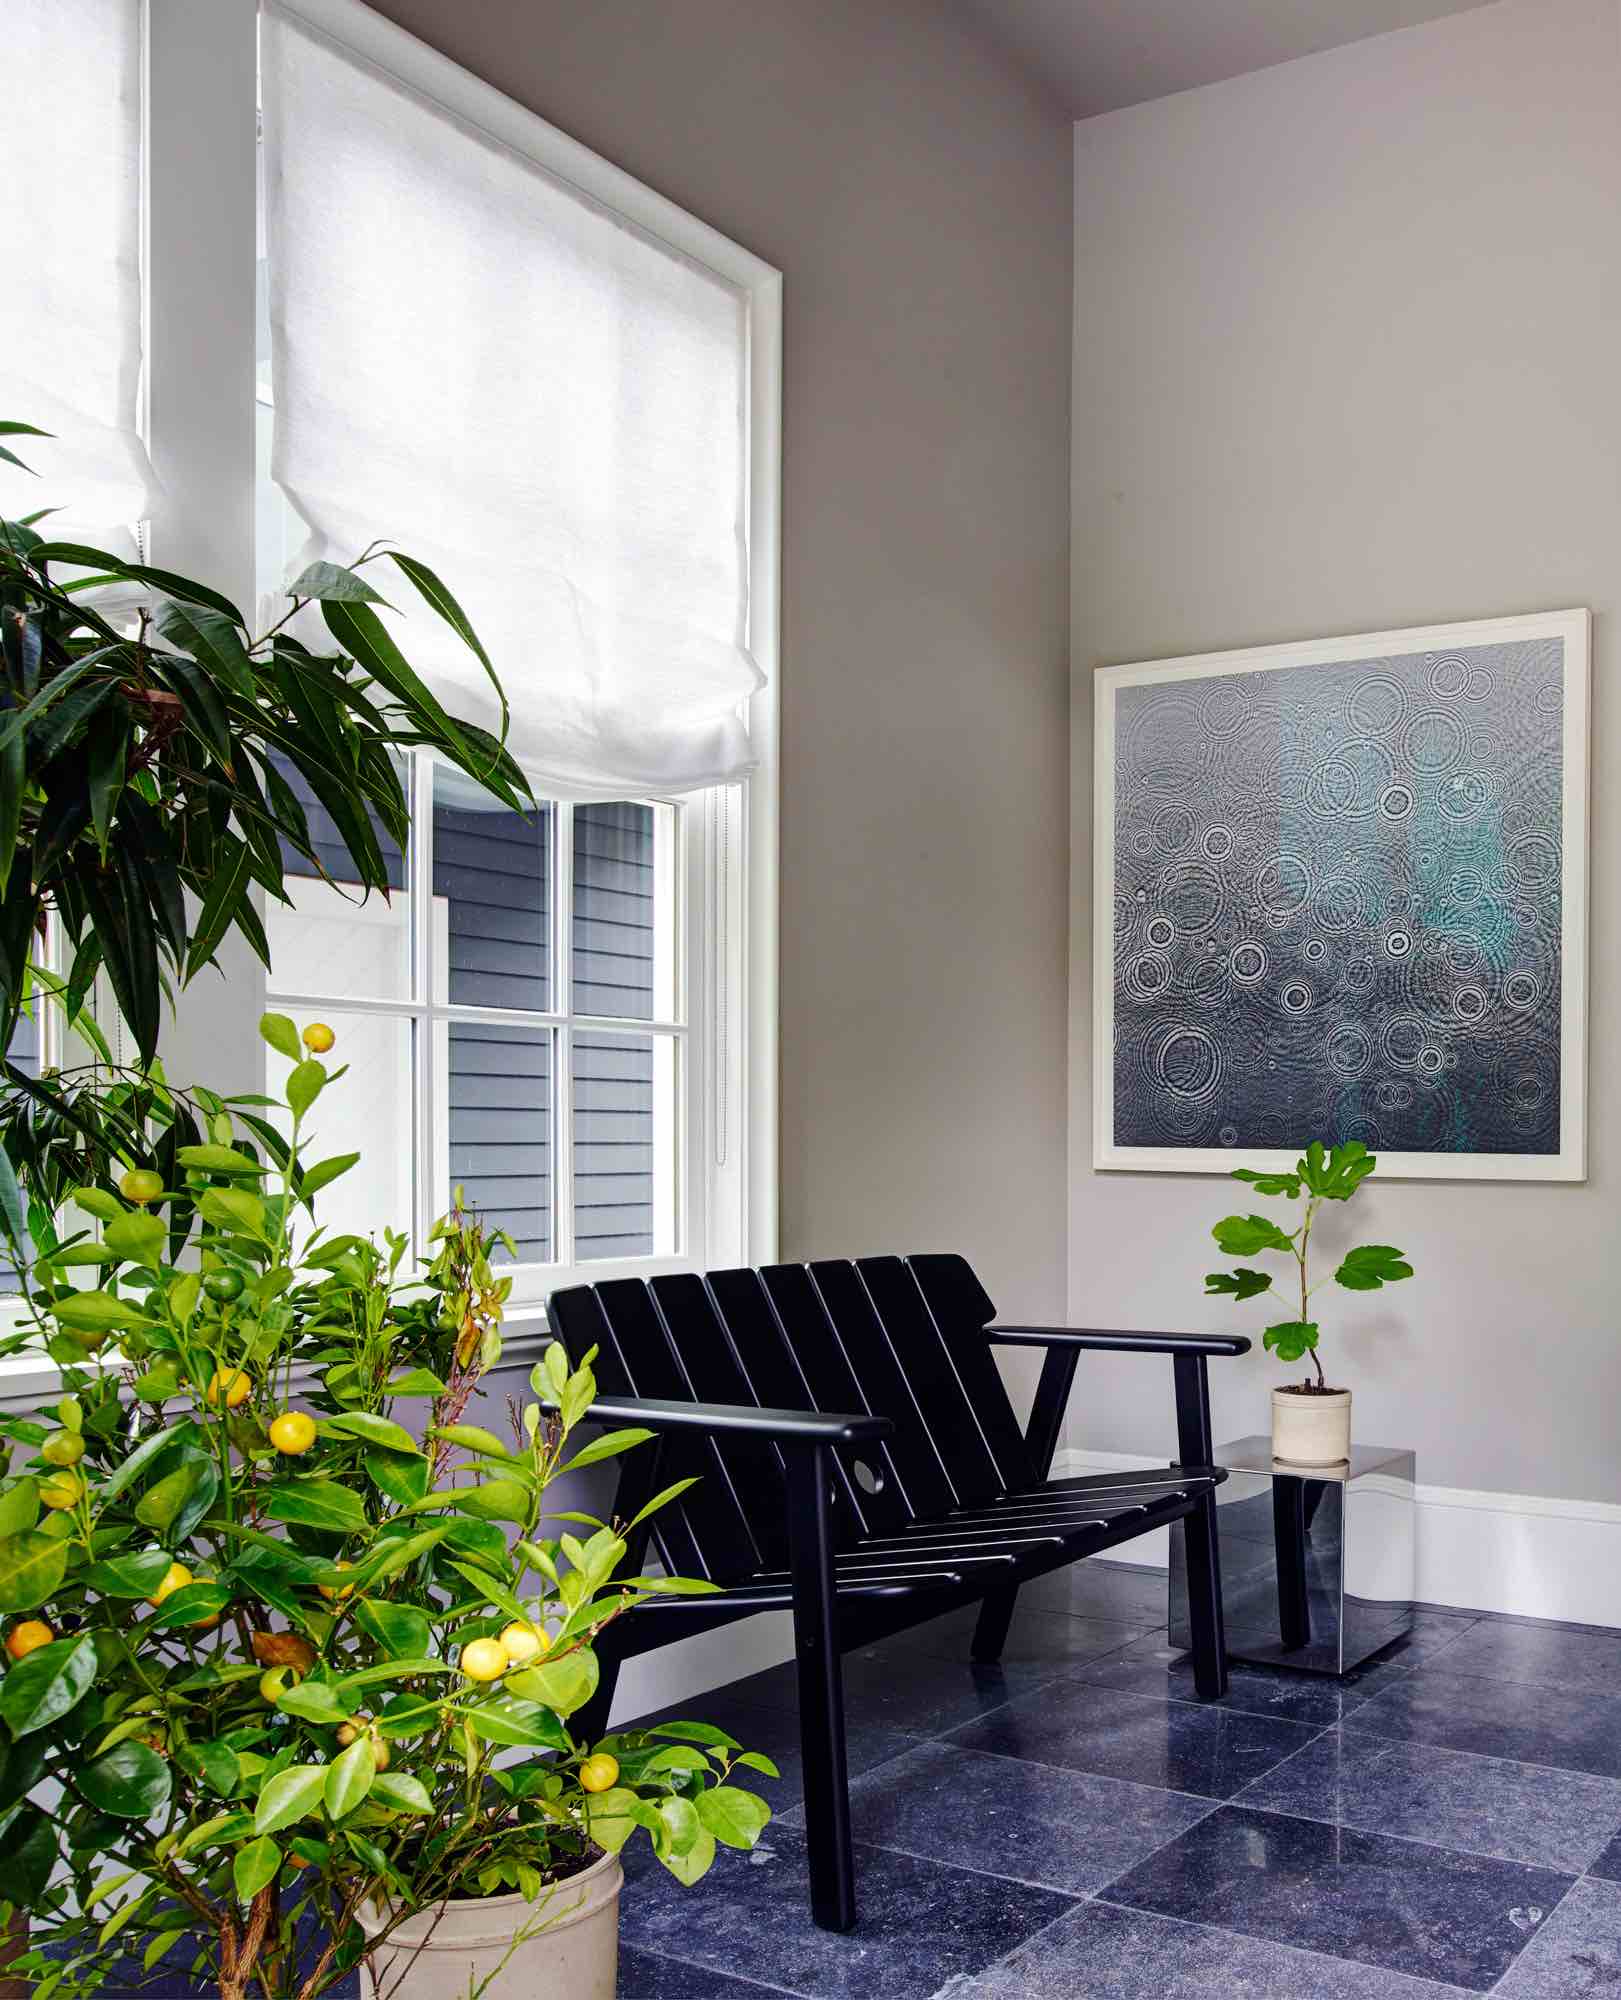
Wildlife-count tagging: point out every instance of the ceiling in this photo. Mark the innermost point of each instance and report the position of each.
(1096, 55)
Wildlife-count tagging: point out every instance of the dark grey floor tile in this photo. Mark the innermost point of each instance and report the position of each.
(1432, 1631)
(1212, 1752)
(1528, 1725)
(1541, 1655)
(1130, 1595)
(1100, 1953)
(1062, 1829)
(1557, 1819)
(775, 1732)
(1460, 1919)
(643, 1975)
(1154, 1666)
(900, 1689)
(920, 1923)
(1036, 1638)
(1576, 1953)
(1608, 1864)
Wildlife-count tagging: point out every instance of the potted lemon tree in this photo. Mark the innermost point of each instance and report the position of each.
(1311, 1420)
(291, 1644)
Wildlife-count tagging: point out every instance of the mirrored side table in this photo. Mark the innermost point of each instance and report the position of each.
(1317, 1568)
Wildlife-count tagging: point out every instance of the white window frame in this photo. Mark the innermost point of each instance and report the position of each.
(199, 394)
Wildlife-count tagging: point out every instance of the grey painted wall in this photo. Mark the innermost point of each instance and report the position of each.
(916, 197)
(1345, 359)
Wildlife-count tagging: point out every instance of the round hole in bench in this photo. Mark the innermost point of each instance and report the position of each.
(868, 1477)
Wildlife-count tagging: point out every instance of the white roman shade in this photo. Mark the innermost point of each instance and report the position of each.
(477, 362)
(70, 241)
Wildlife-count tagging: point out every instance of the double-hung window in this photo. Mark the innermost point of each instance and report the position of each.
(376, 298)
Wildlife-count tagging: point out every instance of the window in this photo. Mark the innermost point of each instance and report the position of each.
(526, 1041)
(570, 1016)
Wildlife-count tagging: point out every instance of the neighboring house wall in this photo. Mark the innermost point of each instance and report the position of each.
(1345, 360)
(915, 196)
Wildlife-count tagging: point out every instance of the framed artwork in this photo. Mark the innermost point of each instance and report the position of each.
(1341, 893)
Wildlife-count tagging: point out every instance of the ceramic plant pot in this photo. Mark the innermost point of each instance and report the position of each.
(1311, 1429)
(574, 1957)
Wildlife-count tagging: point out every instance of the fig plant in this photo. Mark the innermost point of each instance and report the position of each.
(289, 1639)
(1322, 1174)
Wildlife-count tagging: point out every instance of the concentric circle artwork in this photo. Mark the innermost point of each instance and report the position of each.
(1343, 903)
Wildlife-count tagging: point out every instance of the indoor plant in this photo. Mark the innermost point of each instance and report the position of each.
(140, 727)
(1311, 1422)
(271, 1650)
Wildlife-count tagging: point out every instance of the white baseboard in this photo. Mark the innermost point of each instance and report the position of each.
(1515, 1553)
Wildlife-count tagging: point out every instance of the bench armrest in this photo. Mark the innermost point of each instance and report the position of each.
(785, 1427)
(1118, 1343)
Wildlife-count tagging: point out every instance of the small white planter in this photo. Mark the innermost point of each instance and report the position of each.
(575, 1956)
(1311, 1430)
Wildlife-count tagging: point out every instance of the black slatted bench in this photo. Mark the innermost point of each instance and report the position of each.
(859, 1463)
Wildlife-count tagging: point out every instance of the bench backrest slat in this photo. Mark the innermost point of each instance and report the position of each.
(865, 1350)
(961, 1309)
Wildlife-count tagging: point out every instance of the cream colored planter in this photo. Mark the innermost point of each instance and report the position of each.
(573, 1953)
(1311, 1430)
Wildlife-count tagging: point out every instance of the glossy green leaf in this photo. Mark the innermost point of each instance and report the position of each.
(612, 1817)
(32, 1565)
(371, 1429)
(1239, 1285)
(282, 1036)
(609, 1445)
(1291, 1339)
(325, 1172)
(317, 1503)
(289, 1796)
(403, 1477)
(331, 583)
(19, 1508)
(400, 1629)
(502, 1719)
(29, 1843)
(150, 1448)
(304, 1085)
(212, 1760)
(42, 1687)
(134, 1573)
(736, 1818)
(233, 1209)
(564, 1684)
(212, 639)
(218, 1160)
(349, 1777)
(317, 1701)
(494, 1500)
(400, 1792)
(137, 1238)
(1372, 1265)
(1244, 1235)
(98, 1312)
(416, 1382)
(253, 1866)
(179, 1497)
(129, 1781)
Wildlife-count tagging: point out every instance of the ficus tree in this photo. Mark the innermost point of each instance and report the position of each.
(139, 755)
(1321, 1174)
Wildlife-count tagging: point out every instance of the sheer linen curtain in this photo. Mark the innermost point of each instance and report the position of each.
(70, 303)
(544, 404)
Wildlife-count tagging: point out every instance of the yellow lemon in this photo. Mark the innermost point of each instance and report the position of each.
(175, 1577)
(599, 1773)
(274, 1683)
(228, 1386)
(484, 1660)
(62, 1448)
(293, 1432)
(523, 1643)
(338, 1590)
(28, 1637)
(318, 1038)
(61, 1490)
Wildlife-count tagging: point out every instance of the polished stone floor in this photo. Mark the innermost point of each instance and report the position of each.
(1076, 1825)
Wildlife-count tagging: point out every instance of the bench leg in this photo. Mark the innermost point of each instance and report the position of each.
(990, 1632)
(1194, 1448)
(821, 1689)
(591, 1722)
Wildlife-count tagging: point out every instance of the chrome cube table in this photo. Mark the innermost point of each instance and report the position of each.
(1317, 1567)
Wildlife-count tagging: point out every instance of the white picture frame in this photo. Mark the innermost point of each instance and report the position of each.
(1123, 1140)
